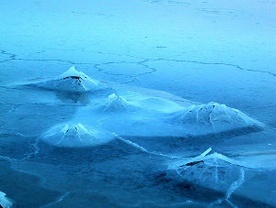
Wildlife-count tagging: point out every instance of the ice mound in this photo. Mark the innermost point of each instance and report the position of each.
(75, 135)
(214, 171)
(72, 80)
(5, 202)
(115, 103)
(215, 117)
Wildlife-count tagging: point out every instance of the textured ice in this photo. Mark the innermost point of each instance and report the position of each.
(146, 113)
(214, 171)
(131, 111)
(115, 103)
(215, 118)
(222, 52)
(5, 202)
(75, 135)
(73, 81)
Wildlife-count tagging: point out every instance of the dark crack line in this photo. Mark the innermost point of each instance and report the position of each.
(47, 60)
(13, 57)
(134, 78)
(214, 63)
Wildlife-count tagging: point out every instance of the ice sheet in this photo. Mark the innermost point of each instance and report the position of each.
(152, 54)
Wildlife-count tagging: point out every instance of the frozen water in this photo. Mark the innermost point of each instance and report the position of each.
(75, 135)
(139, 100)
(4, 201)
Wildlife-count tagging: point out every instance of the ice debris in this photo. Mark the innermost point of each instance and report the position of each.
(75, 135)
(72, 80)
(5, 202)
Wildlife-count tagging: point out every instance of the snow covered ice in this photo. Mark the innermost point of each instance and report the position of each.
(215, 118)
(214, 171)
(4, 201)
(70, 135)
(72, 81)
(137, 103)
(115, 103)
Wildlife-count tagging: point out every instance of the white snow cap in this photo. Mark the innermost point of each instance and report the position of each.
(73, 72)
(5, 202)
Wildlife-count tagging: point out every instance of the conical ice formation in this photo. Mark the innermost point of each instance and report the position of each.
(214, 171)
(115, 103)
(72, 80)
(217, 117)
(75, 135)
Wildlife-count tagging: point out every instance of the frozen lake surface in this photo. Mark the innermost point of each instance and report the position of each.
(165, 103)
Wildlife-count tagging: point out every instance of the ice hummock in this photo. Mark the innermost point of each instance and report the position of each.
(215, 118)
(214, 171)
(141, 115)
(5, 202)
(71, 80)
(115, 103)
(75, 135)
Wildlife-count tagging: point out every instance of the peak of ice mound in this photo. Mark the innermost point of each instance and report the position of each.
(5, 202)
(217, 116)
(75, 135)
(115, 103)
(72, 80)
(74, 73)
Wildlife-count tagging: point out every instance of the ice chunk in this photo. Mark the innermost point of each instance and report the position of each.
(72, 80)
(215, 117)
(75, 135)
(115, 103)
(5, 202)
